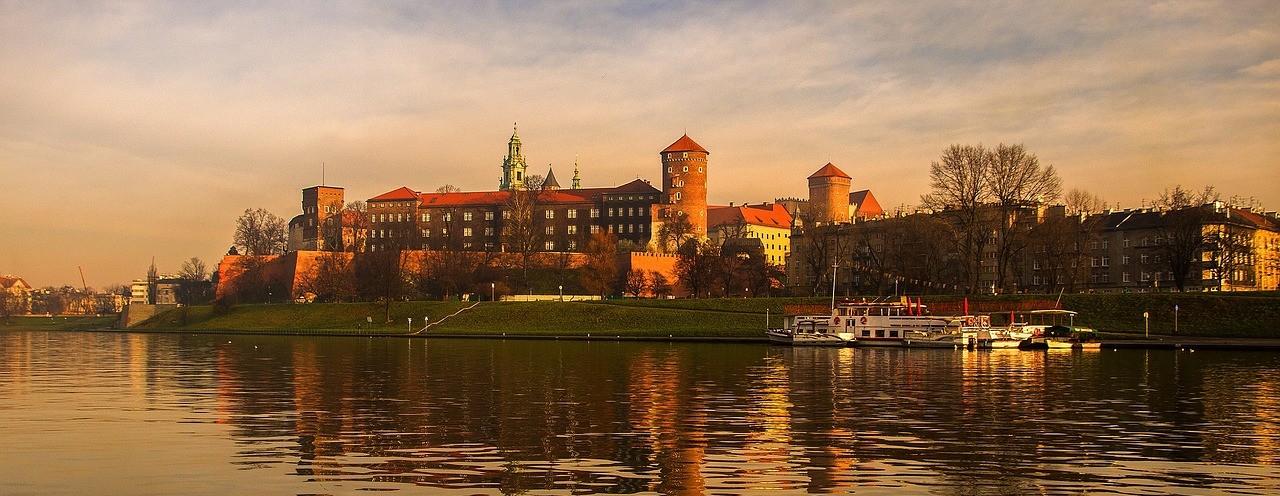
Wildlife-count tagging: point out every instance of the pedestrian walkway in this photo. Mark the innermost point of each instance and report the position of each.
(446, 317)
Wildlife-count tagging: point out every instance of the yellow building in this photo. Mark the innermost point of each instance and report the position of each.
(769, 223)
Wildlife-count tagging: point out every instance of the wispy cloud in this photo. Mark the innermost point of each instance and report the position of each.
(151, 126)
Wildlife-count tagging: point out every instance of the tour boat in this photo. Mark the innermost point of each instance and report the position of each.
(806, 330)
(892, 323)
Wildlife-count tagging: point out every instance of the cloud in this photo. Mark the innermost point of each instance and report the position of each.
(174, 117)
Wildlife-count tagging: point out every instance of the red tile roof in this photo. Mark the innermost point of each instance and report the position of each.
(774, 215)
(829, 170)
(7, 282)
(867, 204)
(685, 144)
(581, 195)
(402, 193)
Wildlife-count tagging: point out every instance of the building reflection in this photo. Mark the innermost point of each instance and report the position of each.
(517, 416)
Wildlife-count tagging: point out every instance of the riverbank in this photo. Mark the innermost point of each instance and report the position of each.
(1117, 316)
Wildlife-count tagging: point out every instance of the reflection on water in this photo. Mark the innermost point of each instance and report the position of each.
(163, 414)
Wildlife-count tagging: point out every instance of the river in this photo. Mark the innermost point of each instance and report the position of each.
(123, 413)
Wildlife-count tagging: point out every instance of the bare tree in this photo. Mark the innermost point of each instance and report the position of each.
(380, 276)
(1018, 185)
(8, 305)
(660, 284)
(637, 282)
(523, 230)
(696, 267)
(194, 270)
(1179, 197)
(331, 278)
(601, 271)
(959, 190)
(1181, 236)
(1079, 201)
(259, 232)
(673, 232)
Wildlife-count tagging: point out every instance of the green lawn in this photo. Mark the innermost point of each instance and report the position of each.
(1200, 314)
(59, 323)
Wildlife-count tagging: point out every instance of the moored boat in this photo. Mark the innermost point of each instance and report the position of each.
(805, 330)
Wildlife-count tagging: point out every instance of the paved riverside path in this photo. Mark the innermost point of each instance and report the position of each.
(1137, 340)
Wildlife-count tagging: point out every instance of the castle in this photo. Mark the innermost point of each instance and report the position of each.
(408, 219)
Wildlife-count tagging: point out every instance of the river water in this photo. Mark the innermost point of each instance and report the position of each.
(106, 413)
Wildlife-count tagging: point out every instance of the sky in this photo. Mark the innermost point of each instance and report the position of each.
(135, 130)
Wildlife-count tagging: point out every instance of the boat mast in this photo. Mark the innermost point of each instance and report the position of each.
(834, 266)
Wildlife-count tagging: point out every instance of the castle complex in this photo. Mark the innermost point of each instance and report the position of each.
(407, 219)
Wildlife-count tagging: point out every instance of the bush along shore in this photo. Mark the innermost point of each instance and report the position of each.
(1255, 316)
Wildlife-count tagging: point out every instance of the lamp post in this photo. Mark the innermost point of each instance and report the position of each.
(1175, 319)
(561, 289)
(492, 291)
(1146, 322)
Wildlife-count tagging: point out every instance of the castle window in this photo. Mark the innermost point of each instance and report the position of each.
(668, 169)
(488, 231)
(447, 217)
(426, 217)
(466, 216)
(551, 214)
(466, 231)
(488, 215)
(686, 168)
(571, 230)
(610, 212)
(506, 215)
(573, 245)
(595, 229)
(572, 213)
(595, 213)
(631, 228)
(551, 230)
(551, 246)
(677, 196)
(699, 170)
(684, 155)
(426, 233)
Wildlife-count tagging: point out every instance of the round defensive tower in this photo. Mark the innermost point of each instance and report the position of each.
(684, 182)
(829, 195)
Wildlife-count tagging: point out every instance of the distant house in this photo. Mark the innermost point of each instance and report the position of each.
(17, 295)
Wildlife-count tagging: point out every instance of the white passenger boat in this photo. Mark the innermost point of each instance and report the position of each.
(806, 330)
(893, 323)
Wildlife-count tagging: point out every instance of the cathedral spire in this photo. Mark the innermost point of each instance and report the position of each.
(577, 183)
(513, 165)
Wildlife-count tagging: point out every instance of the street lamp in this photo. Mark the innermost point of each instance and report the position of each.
(492, 291)
(561, 288)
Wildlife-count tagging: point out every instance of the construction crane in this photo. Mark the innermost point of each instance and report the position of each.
(89, 303)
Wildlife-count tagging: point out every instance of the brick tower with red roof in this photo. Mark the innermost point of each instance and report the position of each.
(684, 182)
(829, 196)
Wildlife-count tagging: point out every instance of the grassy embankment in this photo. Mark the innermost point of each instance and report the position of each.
(58, 323)
(1200, 314)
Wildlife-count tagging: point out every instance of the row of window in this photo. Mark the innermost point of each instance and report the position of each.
(594, 213)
